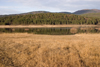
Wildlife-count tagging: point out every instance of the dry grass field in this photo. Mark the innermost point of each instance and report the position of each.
(32, 50)
(44, 26)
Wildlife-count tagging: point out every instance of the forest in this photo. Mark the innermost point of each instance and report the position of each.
(47, 19)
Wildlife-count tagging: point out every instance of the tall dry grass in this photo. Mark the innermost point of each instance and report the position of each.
(31, 50)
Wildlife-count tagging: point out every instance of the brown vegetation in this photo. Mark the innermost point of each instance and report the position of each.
(31, 50)
(45, 26)
(73, 30)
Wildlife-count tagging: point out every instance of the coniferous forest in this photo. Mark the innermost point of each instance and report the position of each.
(48, 19)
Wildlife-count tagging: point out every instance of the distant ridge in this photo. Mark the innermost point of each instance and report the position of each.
(84, 11)
(66, 12)
(79, 12)
(36, 12)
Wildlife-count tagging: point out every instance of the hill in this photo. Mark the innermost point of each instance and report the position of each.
(65, 12)
(86, 11)
(79, 12)
(38, 12)
(3, 15)
(35, 12)
(47, 18)
(96, 15)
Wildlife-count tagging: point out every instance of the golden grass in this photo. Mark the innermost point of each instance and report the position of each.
(44, 26)
(31, 50)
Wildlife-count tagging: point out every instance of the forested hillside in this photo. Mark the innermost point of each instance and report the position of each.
(47, 18)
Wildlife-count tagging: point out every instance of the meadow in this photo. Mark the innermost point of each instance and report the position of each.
(36, 50)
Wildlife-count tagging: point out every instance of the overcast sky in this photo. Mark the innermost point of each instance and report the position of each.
(22, 6)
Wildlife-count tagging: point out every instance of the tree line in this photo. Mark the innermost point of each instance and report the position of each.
(48, 19)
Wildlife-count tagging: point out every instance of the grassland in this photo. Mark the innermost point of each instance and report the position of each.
(31, 50)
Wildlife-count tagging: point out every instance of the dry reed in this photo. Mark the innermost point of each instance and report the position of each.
(31, 50)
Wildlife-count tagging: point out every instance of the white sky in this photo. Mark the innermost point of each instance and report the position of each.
(22, 6)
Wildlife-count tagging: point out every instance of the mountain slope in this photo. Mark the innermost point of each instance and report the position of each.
(86, 11)
(96, 15)
(35, 12)
(65, 12)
